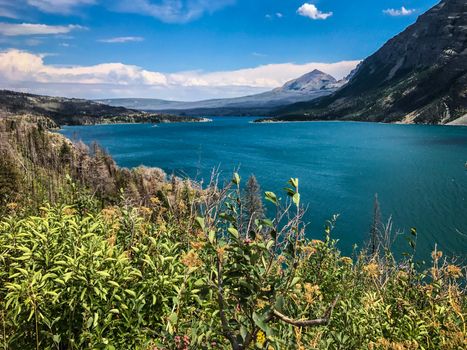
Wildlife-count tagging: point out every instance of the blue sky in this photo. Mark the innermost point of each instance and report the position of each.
(187, 49)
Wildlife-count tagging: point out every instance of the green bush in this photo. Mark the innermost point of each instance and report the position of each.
(192, 271)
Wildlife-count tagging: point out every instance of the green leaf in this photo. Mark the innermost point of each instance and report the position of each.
(200, 222)
(130, 292)
(236, 179)
(294, 182)
(271, 196)
(260, 322)
(279, 305)
(212, 236)
(295, 280)
(173, 318)
(233, 231)
(296, 199)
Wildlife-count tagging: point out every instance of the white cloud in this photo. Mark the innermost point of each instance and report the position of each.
(399, 12)
(276, 15)
(19, 29)
(170, 11)
(311, 11)
(28, 72)
(122, 39)
(8, 9)
(58, 6)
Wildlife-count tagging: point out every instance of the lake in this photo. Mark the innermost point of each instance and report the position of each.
(419, 172)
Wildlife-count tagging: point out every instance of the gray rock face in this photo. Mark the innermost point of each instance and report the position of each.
(313, 81)
(418, 76)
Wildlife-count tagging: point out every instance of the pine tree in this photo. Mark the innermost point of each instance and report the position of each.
(253, 203)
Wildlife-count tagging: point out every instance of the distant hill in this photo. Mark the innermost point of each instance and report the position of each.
(76, 111)
(419, 76)
(309, 86)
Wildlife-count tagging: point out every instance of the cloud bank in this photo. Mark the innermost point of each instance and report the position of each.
(169, 11)
(21, 29)
(311, 11)
(24, 71)
(58, 6)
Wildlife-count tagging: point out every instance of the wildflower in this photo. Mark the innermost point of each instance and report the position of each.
(260, 304)
(197, 245)
(402, 275)
(454, 271)
(69, 211)
(372, 270)
(311, 292)
(145, 211)
(191, 259)
(12, 206)
(436, 254)
(317, 242)
(154, 200)
(109, 214)
(111, 240)
(260, 338)
(308, 250)
(221, 252)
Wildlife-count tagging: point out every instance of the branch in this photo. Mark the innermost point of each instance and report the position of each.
(220, 299)
(308, 323)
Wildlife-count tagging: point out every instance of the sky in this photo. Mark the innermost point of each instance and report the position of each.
(187, 49)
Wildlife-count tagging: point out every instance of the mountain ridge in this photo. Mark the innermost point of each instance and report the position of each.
(309, 86)
(418, 76)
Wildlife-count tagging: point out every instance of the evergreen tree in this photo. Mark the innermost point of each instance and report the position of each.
(253, 203)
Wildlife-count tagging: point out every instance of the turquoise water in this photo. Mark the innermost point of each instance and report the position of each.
(418, 171)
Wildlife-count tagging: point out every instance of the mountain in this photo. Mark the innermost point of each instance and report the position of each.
(419, 76)
(309, 86)
(76, 111)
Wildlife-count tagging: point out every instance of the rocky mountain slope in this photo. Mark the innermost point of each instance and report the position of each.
(309, 86)
(76, 111)
(419, 76)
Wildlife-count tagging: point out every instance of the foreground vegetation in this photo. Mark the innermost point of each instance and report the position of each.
(179, 266)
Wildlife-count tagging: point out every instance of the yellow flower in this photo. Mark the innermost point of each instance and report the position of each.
(69, 211)
(436, 254)
(317, 242)
(454, 271)
(154, 200)
(12, 206)
(372, 269)
(311, 292)
(191, 259)
(260, 338)
(197, 245)
(221, 252)
(109, 214)
(346, 260)
(145, 211)
(260, 304)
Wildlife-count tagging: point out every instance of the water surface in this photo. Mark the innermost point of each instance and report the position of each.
(418, 171)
